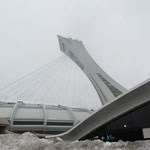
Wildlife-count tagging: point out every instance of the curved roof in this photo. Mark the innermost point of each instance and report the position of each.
(127, 102)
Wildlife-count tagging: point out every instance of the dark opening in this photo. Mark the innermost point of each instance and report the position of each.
(28, 122)
(60, 123)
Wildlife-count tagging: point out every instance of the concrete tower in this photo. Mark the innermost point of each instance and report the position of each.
(107, 89)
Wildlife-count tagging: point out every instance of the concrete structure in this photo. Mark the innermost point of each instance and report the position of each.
(41, 118)
(3, 125)
(124, 114)
(107, 89)
(125, 117)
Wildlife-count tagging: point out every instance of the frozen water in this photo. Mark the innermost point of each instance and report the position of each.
(29, 141)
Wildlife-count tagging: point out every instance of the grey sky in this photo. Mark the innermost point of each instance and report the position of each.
(116, 33)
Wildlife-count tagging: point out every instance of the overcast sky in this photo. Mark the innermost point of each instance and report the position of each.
(115, 32)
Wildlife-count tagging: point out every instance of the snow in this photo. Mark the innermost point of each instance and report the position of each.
(29, 141)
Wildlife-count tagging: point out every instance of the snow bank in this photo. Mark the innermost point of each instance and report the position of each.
(29, 141)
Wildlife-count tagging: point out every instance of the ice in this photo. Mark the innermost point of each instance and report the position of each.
(29, 141)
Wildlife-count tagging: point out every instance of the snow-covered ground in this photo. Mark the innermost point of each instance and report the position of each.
(29, 141)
